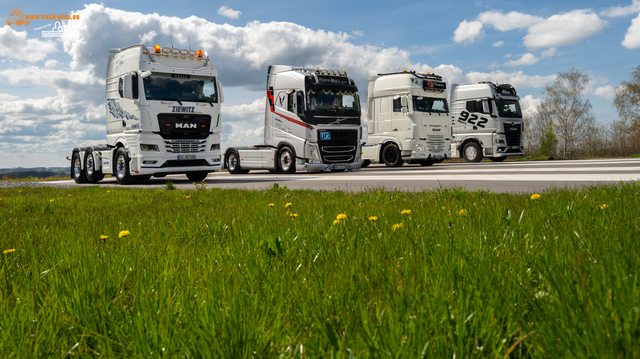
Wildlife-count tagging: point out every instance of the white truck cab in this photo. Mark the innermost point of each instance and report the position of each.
(162, 115)
(486, 121)
(407, 119)
(312, 123)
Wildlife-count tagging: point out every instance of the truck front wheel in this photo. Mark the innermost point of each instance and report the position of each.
(286, 160)
(391, 156)
(472, 152)
(197, 176)
(76, 169)
(122, 166)
(498, 159)
(93, 175)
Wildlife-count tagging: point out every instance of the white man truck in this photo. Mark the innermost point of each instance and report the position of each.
(486, 121)
(163, 117)
(407, 119)
(312, 123)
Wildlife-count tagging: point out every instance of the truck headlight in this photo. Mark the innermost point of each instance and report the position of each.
(146, 147)
(215, 147)
(499, 141)
(314, 153)
(419, 148)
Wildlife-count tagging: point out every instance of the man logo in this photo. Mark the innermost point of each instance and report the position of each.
(186, 125)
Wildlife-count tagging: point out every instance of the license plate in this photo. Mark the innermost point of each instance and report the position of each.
(339, 167)
(515, 147)
(186, 157)
(325, 135)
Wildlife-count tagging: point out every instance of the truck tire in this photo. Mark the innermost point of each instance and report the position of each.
(122, 167)
(365, 163)
(142, 178)
(93, 175)
(426, 163)
(391, 155)
(78, 173)
(286, 160)
(232, 162)
(197, 176)
(498, 159)
(472, 152)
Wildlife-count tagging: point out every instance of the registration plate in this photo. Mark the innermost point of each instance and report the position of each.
(515, 147)
(186, 157)
(338, 167)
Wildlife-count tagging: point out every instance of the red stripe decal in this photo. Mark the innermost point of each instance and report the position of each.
(297, 122)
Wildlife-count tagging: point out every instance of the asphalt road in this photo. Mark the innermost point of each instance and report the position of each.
(520, 176)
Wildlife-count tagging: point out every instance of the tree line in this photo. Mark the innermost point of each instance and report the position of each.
(563, 124)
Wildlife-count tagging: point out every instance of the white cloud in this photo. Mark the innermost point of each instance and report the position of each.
(498, 43)
(517, 79)
(509, 21)
(51, 63)
(16, 45)
(508, 56)
(606, 92)
(229, 12)
(468, 31)
(550, 52)
(617, 11)
(564, 29)
(529, 105)
(632, 37)
(526, 59)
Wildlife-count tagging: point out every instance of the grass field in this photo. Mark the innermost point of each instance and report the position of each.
(278, 273)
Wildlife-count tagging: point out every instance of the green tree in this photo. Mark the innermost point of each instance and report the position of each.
(548, 143)
(627, 103)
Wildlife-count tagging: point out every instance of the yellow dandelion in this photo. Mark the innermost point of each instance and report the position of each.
(406, 211)
(535, 196)
(603, 206)
(51, 200)
(69, 194)
(462, 212)
(336, 221)
(287, 205)
(373, 218)
(123, 234)
(444, 207)
(396, 226)
(271, 204)
(187, 197)
(103, 237)
(341, 216)
(293, 215)
(108, 191)
(0, 199)
(20, 191)
(8, 251)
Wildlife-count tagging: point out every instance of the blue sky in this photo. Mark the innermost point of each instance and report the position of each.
(52, 98)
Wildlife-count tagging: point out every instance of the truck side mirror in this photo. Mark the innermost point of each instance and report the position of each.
(220, 93)
(404, 103)
(299, 104)
(485, 107)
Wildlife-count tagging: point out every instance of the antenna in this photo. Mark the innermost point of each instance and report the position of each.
(171, 40)
(189, 43)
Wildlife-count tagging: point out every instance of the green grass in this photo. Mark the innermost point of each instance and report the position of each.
(220, 273)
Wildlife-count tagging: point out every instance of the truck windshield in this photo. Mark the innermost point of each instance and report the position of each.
(509, 108)
(429, 104)
(180, 87)
(333, 103)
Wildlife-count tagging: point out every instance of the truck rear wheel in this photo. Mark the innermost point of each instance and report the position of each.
(122, 167)
(286, 160)
(498, 159)
(197, 176)
(93, 175)
(391, 155)
(76, 169)
(232, 161)
(472, 152)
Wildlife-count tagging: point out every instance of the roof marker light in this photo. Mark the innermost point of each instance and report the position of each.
(166, 50)
(184, 52)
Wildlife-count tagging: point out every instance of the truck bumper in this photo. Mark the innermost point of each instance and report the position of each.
(315, 167)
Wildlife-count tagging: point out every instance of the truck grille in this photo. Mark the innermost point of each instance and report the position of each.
(185, 146)
(184, 126)
(513, 134)
(341, 148)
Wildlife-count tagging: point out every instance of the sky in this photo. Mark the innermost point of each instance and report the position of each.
(52, 96)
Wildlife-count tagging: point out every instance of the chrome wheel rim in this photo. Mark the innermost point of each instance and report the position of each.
(470, 152)
(120, 166)
(76, 167)
(232, 162)
(89, 165)
(285, 161)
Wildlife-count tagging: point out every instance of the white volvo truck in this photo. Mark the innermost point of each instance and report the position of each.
(312, 123)
(486, 121)
(163, 117)
(407, 119)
